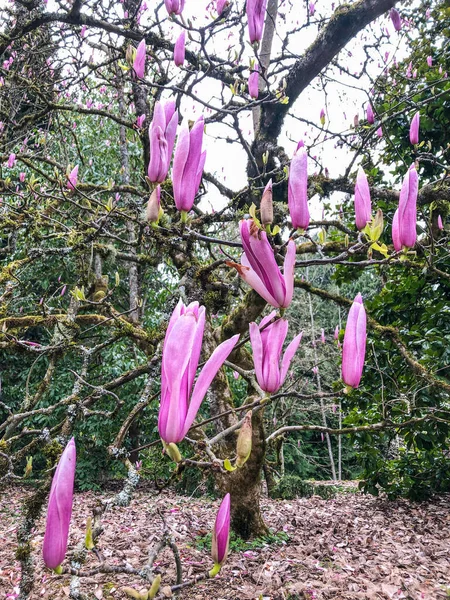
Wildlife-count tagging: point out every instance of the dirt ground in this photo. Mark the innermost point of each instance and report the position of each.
(350, 547)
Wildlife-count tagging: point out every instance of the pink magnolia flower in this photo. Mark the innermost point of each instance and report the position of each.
(256, 12)
(267, 345)
(162, 132)
(312, 9)
(407, 209)
(139, 60)
(369, 114)
(179, 49)
(354, 350)
(363, 205)
(174, 7)
(430, 61)
(220, 6)
(60, 508)
(259, 268)
(298, 189)
(180, 357)
(380, 132)
(440, 224)
(414, 129)
(336, 333)
(396, 19)
(22, 176)
(11, 160)
(253, 81)
(140, 121)
(188, 164)
(221, 533)
(322, 336)
(73, 178)
(395, 233)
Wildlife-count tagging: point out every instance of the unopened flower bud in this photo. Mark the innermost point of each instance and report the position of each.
(154, 587)
(378, 224)
(173, 452)
(322, 117)
(131, 592)
(244, 441)
(154, 211)
(130, 55)
(267, 205)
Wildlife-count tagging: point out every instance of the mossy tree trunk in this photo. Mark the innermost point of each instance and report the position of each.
(244, 486)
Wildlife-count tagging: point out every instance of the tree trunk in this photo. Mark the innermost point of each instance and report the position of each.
(244, 486)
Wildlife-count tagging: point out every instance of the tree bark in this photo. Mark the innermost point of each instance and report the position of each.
(244, 486)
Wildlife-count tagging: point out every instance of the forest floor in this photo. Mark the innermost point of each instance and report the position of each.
(352, 546)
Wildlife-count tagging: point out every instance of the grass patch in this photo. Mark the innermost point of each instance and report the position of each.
(237, 544)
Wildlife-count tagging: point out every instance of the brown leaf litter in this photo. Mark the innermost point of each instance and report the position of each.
(351, 547)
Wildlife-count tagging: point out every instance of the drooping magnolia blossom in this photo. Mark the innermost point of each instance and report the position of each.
(363, 205)
(256, 12)
(11, 160)
(259, 268)
(221, 533)
(188, 164)
(139, 60)
(180, 401)
(396, 19)
(407, 209)
(395, 233)
(267, 345)
(369, 114)
(354, 350)
(162, 132)
(60, 508)
(174, 7)
(253, 81)
(179, 49)
(414, 129)
(73, 178)
(298, 189)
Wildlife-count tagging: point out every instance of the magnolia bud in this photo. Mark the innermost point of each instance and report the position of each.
(377, 227)
(244, 441)
(322, 117)
(130, 55)
(173, 452)
(267, 205)
(131, 592)
(155, 587)
(153, 211)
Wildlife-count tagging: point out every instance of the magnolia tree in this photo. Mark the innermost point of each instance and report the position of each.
(170, 171)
